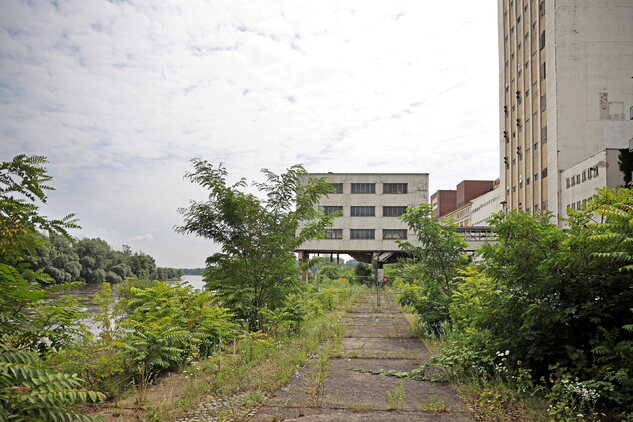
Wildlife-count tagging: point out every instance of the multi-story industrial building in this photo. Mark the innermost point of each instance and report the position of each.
(456, 204)
(566, 96)
(370, 204)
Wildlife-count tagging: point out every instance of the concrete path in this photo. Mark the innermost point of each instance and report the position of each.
(373, 339)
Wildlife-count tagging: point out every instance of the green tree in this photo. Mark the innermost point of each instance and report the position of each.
(142, 264)
(22, 186)
(625, 162)
(362, 274)
(433, 265)
(28, 323)
(256, 268)
(58, 258)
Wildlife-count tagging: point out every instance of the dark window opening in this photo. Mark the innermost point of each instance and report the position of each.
(363, 188)
(334, 234)
(331, 209)
(394, 188)
(394, 234)
(362, 234)
(393, 211)
(363, 211)
(338, 187)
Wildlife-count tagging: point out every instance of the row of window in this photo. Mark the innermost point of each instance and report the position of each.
(371, 188)
(588, 174)
(364, 211)
(578, 205)
(387, 234)
(485, 204)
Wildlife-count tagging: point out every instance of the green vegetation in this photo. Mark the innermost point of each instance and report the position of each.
(397, 397)
(50, 363)
(256, 364)
(256, 269)
(33, 325)
(546, 317)
(94, 261)
(428, 277)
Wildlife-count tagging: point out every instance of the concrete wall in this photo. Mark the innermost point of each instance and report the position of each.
(417, 193)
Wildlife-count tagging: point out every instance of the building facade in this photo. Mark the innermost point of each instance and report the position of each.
(565, 93)
(443, 202)
(370, 204)
(581, 180)
(484, 206)
(455, 203)
(459, 216)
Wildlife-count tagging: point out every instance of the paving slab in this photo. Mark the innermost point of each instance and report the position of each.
(347, 387)
(374, 339)
(376, 347)
(269, 414)
(396, 329)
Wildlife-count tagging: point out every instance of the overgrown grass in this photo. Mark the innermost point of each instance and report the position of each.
(492, 398)
(255, 366)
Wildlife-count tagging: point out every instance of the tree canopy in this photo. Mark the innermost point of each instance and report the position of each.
(256, 267)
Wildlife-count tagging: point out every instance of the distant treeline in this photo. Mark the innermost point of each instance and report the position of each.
(192, 271)
(95, 261)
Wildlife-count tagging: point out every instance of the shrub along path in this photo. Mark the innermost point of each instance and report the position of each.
(338, 390)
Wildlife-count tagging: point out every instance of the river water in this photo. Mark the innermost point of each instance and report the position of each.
(85, 293)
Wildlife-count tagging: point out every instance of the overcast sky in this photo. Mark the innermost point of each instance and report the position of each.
(120, 95)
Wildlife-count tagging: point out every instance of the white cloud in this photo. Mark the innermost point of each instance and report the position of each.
(120, 95)
(142, 237)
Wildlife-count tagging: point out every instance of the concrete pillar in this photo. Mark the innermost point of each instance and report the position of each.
(374, 265)
(303, 258)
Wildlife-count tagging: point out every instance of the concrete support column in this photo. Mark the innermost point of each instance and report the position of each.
(374, 266)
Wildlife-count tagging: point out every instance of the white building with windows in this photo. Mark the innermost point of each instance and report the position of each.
(580, 181)
(484, 206)
(370, 204)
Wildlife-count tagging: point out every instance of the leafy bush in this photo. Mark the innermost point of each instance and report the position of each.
(433, 266)
(100, 363)
(362, 274)
(28, 393)
(546, 304)
(31, 318)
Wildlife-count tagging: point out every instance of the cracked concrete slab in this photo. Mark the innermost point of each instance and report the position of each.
(374, 339)
(387, 347)
(268, 414)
